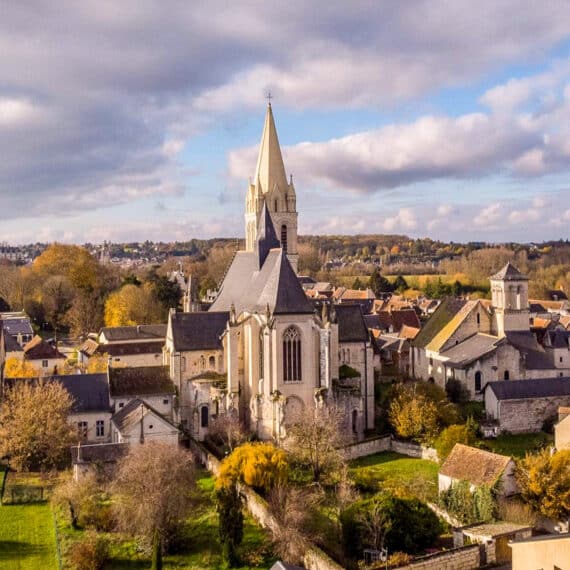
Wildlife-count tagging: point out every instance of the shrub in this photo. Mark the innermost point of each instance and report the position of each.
(457, 392)
(408, 524)
(469, 507)
(91, 553)
(452, 435)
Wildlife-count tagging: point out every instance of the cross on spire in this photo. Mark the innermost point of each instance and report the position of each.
(268, 96)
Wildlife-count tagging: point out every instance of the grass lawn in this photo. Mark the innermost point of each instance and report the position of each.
(517, 445)
(396, 473)
(202, 550)
(27, 537)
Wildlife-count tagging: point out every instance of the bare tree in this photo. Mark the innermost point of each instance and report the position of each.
(227, 429)
(316, 438)
(34, 427)
(376, 523)
(293, 509)
(153, 488)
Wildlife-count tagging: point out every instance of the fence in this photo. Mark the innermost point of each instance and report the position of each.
(20, 491)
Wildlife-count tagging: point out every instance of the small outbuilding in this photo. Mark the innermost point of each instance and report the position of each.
(478, 467)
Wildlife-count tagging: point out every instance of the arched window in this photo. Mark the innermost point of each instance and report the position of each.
(212, 362)
(284, 237)
(204, 416)
(292, 355)
(506, 375)
(202, 363)
(478, 319)
(478, 380)
(275, 206)
(354, 421)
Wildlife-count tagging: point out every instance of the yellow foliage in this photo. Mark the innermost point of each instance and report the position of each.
(259, 465)
(132, 305)
(16, 368)
(414, 416)
(98, 363)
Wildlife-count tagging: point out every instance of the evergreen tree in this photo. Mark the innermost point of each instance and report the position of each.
(230, 514)
(400, 284)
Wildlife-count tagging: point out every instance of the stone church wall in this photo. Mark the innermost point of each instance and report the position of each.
(521, 416)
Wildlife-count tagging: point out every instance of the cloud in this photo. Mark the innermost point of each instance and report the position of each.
(404, 220)
(97, 99)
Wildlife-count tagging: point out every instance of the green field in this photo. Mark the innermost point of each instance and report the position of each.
(396, 473)
(27, 537)
(201, 550)
(517, 445)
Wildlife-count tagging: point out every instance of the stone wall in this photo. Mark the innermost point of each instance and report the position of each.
(414, 450)
(466, 558)
(368, 447)
(520, 416)
(315, 558)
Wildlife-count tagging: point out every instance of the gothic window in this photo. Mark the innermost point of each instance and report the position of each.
(354, 421)
(478, 381)
(478, 319)
(292, 355)
(261, 360)
(284, 237)
(212, 362)
(275, 210)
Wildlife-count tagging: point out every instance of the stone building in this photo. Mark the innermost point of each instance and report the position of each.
(477, 342)
(524, 406)
(262, 350)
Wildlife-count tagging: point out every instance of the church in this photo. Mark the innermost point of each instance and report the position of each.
(263, 350)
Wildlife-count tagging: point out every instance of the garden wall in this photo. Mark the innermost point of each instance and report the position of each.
(389, 443)
(414, 450)
(315, 558)
(368, 447)
(465, 558)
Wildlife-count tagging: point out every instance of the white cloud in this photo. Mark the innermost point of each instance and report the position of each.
(489, 215)
(404, 220)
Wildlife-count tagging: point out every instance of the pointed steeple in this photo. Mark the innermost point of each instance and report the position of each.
(270, 170)
(266, 237)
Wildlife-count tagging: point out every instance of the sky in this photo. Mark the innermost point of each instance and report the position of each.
(136, 120)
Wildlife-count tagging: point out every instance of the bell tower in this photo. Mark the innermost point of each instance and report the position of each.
(509, 290)
(271, 187)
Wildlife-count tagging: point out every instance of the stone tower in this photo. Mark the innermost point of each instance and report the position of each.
(509, 290)
(270, 187)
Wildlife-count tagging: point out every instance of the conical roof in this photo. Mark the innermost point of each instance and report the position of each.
(270, 170)
(266, 236)
(509, 273)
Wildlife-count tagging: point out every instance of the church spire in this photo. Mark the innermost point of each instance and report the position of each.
(270, 170)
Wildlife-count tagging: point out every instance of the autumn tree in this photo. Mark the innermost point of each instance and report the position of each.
(57, 297)
(98, 363)
(259, 465)
(34, 427)
(153, 493)
(544, 481)
(413, 416)
(315, 438)
(458, 433)
(132, 305)
(227, 430)
(19, 368)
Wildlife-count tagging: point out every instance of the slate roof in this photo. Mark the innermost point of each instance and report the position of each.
(11, 344)
(535, 357)
(90, 392)
(443, 316)
(99, 453)
(535, 388)
(130, 348)
(140, 381)
(471, 349)
(509, 273)
(477, 466)
(38, 349)
(133, 411)
(139, 332)
(198, 331)
(16, 326)
(266, 236)
(351, 324)
(249, 288)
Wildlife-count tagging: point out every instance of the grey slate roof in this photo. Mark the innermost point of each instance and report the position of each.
(509, 273)
(535, 357)
(249, 288)
(90, 392)
(351, 324)
(127, 348)
(98, 453)
(471, 349)
(11, 344)
(140, 381)
(139, 332)
(523, 389)
(131, 414)
(198, 331)
(17, 326)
